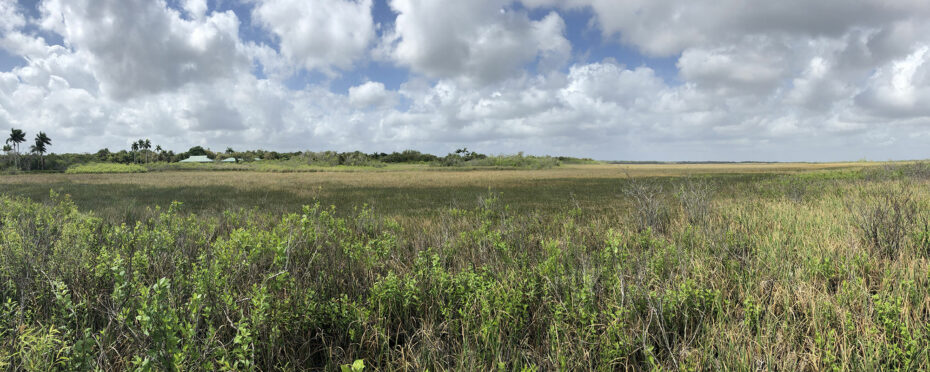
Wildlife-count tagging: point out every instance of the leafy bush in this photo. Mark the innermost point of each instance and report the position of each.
(573, 160)
(517, 161)
(406, 156)
(332, 158)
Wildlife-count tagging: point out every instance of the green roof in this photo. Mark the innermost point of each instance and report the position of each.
(197, 159)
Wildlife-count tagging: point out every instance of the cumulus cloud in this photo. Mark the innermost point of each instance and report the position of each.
(140, 46)
(371, 93)
(615, 84)
(12, 39)
(319, 34)
(757, 65)
(667, 27)
(780, 80)
(900, 88)
(195, 8)
(10, 16)
(479, 41)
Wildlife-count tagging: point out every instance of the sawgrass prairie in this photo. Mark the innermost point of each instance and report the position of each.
(594, 267)
(396, 189)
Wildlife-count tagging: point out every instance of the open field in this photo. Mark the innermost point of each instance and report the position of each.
(396, 190)
(595, 267)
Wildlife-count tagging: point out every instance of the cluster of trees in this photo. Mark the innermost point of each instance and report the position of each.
(357, 158)
(143, 148)
(406, 156)
(38, 149)
(459, 157)
(333, 158)
(138, 153)
(142, 151)
(244, 155)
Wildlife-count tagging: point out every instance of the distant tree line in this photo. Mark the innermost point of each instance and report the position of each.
(143, 151)
(357, 158)
(406, 156)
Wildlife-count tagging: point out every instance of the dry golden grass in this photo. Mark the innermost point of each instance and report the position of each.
(419, 176)
(397, 190)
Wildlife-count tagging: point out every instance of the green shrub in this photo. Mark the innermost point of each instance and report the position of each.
(517, 161)
(105, 168)
(764, 284)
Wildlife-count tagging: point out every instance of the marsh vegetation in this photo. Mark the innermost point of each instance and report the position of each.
(575, 268)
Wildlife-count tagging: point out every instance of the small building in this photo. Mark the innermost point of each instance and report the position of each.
(197, 159)
(230, 160)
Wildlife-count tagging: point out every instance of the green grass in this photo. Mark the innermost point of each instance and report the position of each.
(277, 166)
(105, 168)
(517, 161)
(126, 199)
(519, 270)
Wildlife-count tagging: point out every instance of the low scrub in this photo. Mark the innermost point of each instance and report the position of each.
(332, 159)
(919, 170)
(650, 210)
(212, 166)
(106, 168)
(696, 198)
(763, 284)
(886, 219)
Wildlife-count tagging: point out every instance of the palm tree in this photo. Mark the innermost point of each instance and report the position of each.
(147, 145)
(159, 150)
(17, 136)
(8, 150)
(135, 149)
(42, 141)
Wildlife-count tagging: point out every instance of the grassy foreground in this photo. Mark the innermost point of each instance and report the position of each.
(799, 271)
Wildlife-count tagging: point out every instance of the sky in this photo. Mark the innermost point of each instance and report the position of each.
(788, 80)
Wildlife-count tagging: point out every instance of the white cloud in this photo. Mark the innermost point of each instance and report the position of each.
(195, 8)
(480, 41)
(756, 65)
(319, 34)
(273, 64)
(12, 39)
(900, 88)
(140, 46)
(667, 27)
(11, 17)
(763, 82)
(614, 84)
(554, 49)
(371, 93)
